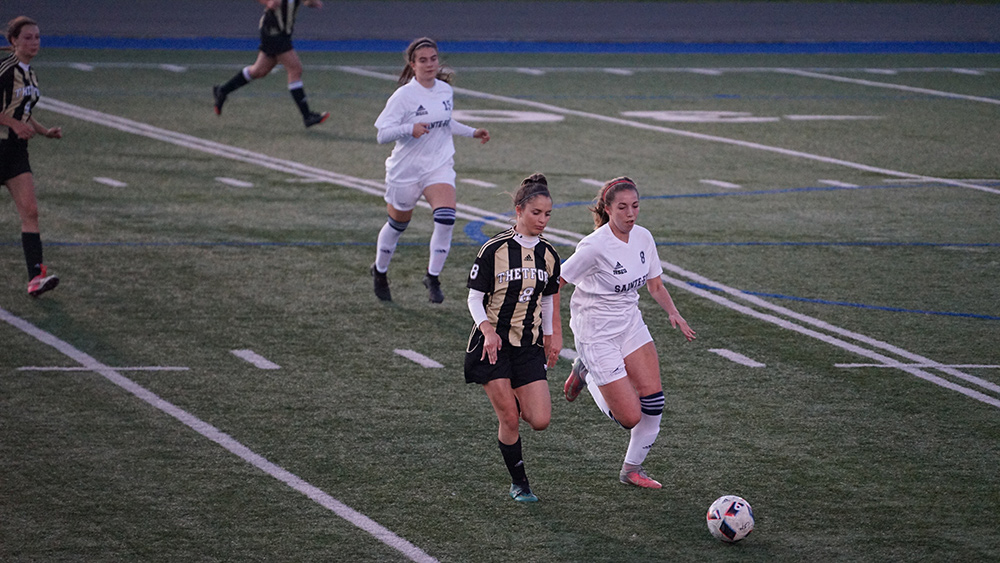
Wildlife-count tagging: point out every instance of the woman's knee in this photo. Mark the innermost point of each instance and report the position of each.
(508, 420)
(628, 419)
(536, 421)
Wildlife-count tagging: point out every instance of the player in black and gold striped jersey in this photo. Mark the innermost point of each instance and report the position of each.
(514, 301)
(18, 95)
(276, 27)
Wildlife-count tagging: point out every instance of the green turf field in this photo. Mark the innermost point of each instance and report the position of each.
(844, 211)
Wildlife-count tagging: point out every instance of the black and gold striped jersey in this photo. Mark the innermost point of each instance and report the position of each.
(514, 277)
(18, 92)
(281, 20)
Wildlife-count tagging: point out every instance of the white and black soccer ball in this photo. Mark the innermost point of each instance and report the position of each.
(730, 518)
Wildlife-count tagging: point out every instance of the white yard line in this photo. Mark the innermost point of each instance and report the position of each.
(110, 182)
(173, 68)
(721, 184)
(234, 182)
(478, 183)
(937, 366)
(418, 358)
(901, 87)
(837, 184)
(255, 359)
(568, 353)
(321, 498)
(79, 368)
(805, 319)
(737, 357)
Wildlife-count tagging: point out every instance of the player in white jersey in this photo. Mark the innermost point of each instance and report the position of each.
(418, 118)
(617, 359)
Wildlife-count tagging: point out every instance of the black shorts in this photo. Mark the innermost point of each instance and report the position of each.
(274, 44)
(13, 158)
(520, 364)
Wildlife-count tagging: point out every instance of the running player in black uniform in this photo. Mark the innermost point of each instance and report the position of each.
(18, 96)
(275, 47)
(514, 301)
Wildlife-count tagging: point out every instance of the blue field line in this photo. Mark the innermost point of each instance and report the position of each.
(474, 231)
(397, 46)
(479, 238)
(856, 305)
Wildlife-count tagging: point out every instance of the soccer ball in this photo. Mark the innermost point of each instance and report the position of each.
(730, 518)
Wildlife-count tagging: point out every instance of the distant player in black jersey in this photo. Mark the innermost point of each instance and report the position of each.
(18, 96)
(275, 47)
(514, 301)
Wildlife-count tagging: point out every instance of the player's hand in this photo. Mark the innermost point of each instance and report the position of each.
(483, 135)
(23, 130)
(420, 129)
(678, 321)
(54, 133)
(553, 346)
(491, 345)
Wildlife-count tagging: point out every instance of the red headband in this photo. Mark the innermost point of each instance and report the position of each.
(604, 193)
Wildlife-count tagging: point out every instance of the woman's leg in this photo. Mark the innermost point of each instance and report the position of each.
(293, 67)
(442, 199)
(643, 368)
(535, 404)
(505, 405)
(260, 68)
(22, 190)
(388, 237)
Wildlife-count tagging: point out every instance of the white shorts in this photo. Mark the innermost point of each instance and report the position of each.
(606, 359)
(404, 196)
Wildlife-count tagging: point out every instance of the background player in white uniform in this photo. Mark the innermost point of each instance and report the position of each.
(617, 358)
(418, 118)
(18, 96)
(514, 301)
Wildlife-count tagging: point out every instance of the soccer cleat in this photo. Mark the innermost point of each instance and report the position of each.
(576, 381)
(220, 98)
(42, 283)
(381, 284)
(522, 494)
(314, 118)
(433, 285)
(637, 476)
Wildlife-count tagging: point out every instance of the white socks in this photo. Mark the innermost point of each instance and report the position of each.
(386, 245)
(643, 435)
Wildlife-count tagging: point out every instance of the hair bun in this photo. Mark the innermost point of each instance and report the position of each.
(536, 178)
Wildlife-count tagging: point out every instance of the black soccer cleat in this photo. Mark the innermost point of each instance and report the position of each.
(220, 98)
(315, 118)
(433, 285)
(380, 282)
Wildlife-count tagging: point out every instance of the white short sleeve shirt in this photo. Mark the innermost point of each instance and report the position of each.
(608, 275)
